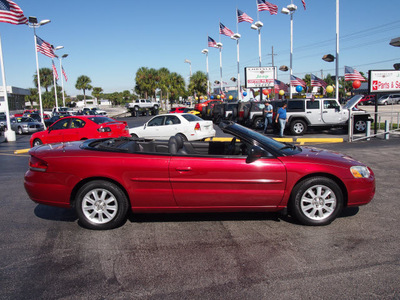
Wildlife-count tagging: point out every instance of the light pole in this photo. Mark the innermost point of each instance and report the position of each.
(54, 78)
(219, 45)
(289, 10)
(237, 37)
(257, 26)
(190, 65)
(205, 51)
(62, 80)
(33, 23)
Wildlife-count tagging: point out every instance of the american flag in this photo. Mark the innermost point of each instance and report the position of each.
(351, 74)
(225, 30)
(304, 4)
(243, 17)
(54, 70)
(44, 47)
(65, 74)
(315, 81)
(279, 85)
(264, 5)
(11, 13)
(212, 43)
(295, 81)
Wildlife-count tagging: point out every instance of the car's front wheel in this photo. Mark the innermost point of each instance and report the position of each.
(101, 205)
(37, 142)
(316, 201)
(20, 130)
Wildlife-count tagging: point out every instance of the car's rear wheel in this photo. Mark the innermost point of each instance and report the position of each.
(360, 126)
(258, 123)
(37, 142)
(316, 201)
(182, 136)
(134, 135)
(298, 127)
(101, 205)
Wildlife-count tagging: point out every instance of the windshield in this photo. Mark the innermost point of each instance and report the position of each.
(287, 149)
(352, 102)
(20, 120)
(191, 117)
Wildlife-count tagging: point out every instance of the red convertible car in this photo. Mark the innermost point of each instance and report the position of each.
(103, 178)
(75, 128)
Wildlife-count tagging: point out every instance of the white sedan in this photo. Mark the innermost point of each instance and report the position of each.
(162, 127)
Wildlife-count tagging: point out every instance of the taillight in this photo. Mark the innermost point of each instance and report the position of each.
(104, 129)
(197, 127)
(37, 164)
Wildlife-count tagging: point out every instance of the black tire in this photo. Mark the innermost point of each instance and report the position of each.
(316, 201)
(134, 136)
(136, 108)
(258, 123)
(298, 127)
(20, 130)
(183, 137)
(360, 126)
(155, 111)
(37, 142)
(155, 107)
(94, 212)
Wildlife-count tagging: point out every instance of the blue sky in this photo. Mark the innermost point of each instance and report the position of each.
(109, 40)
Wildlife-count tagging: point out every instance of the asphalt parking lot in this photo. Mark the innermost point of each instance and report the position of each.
(46, 254)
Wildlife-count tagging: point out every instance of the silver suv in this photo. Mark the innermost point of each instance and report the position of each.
(389, 99)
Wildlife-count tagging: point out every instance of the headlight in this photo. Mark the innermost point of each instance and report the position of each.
(360, 172)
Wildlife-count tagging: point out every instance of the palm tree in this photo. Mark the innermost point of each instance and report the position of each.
(83, 83)
(198, 83)
(97, 92)
(46, 78)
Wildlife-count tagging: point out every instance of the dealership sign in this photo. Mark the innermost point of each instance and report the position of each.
(259, 77)
(383, 81)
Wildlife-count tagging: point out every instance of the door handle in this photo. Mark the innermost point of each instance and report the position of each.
(184, 169)
(324, 112)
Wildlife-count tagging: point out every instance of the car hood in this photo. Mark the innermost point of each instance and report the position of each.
(353, 102)
(321, 156)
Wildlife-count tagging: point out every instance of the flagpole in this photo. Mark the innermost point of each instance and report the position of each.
(337, 50)
(55, 85)
(9, 134)
(38, 79)
(62, 81)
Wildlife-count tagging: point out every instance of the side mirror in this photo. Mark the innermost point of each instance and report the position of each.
(254, 154)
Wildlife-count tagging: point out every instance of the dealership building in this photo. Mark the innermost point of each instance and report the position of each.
(16, 98)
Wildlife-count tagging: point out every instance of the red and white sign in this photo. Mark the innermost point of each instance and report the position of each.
(384, 81)
(259, 77)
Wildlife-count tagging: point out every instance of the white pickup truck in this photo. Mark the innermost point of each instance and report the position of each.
(142, 106)
(303, 113)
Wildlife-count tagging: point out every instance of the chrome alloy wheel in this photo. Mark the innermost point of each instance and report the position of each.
(298, 128)
(99, 206)
(318, 202)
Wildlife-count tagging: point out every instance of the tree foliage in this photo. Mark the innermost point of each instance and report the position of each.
(83, 83)
(198, 83)
(46, 78)
(97, 92)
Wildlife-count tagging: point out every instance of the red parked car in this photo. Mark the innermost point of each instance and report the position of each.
(104, 178)
(199, 106)
(75, 128)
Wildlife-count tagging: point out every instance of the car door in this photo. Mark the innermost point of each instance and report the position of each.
(227, 181)
(56, 132)
(154, 128)
(172, 126)
(313, 111)
(331, 112)
(75, 131)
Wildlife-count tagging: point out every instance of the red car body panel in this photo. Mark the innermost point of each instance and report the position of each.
(89, 131)
(168, 183)
(199, 106)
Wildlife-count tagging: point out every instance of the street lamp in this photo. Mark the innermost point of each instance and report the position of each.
(190, 65)
(33, 23)
(205, 51)
(237, 37)
(257, 26)
(219, 46)
(395, 42)
(289, 10)
(62, 81)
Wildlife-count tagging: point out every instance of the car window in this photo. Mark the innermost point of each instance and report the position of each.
(172, 120)
(157, 121)
(312, 104)
(191, 117)
(77, 123)
(61, 124)
(101, 120)
(330, 104)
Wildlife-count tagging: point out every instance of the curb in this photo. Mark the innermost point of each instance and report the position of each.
(22, 151)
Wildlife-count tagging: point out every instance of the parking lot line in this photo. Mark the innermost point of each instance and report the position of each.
(302, 141)
(21, 151)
